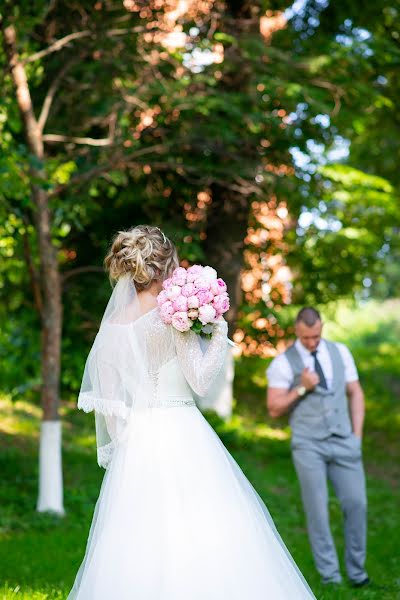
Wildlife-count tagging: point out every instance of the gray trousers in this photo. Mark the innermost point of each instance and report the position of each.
(339, 460)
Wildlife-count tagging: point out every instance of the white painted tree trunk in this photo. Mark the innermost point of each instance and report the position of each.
(220, 396)
(50, 469)
(48, 294)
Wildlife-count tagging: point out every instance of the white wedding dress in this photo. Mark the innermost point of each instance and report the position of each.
(176, 518)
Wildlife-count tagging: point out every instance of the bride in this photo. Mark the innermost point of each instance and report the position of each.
(176, 518)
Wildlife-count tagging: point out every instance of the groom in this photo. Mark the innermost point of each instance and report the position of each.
(316, 382)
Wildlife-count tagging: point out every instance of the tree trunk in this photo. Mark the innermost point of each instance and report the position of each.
(50, 498)
(52, 308)
(228, 215)
(227, 220)
(50, 467)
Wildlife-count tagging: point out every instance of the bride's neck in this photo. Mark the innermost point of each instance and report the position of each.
(148, 297)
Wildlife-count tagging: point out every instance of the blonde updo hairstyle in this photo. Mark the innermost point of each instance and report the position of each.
(144, 253)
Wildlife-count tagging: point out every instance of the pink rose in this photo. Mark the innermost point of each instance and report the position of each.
(218, 286)
(188, 290)
(194, 272)
(207, 314)
(173, 292)
(181, 321)
(193, 302)
(221, 303)
(167, 283)
(180, 304)
(204, 297)
(209, 273)
(166, 312)
(162, 297)
(193, 313)
(179, 276)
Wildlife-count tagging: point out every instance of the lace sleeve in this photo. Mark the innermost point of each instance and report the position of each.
(201, 369)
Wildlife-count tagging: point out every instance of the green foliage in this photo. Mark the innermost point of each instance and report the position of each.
(360, 223)
(355, 209)
(178, 127)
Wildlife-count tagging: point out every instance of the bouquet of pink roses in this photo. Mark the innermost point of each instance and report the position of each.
(193, 298)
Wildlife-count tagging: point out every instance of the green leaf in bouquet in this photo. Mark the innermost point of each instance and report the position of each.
(196, 327)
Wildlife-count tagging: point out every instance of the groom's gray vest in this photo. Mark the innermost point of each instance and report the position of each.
(320, 413)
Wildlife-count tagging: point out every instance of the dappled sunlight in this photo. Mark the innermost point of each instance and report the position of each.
(19, 418)
(23, 419)
(258, 432)
(259, 379)
(266, 432)
(385, 348)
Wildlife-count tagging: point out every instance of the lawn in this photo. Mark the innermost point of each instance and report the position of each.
(39, 554)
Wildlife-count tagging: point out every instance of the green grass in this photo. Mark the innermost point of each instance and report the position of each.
(40, 554)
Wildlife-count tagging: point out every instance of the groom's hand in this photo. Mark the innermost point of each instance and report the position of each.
(309, 379)
(280, 400)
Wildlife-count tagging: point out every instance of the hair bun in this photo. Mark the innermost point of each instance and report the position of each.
(144, 253)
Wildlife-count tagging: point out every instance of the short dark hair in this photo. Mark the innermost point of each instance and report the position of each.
(308, 315)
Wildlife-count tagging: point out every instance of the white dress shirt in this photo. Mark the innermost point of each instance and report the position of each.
(280, 374)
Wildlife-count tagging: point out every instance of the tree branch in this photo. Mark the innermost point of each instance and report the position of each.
(115, 32)
(337, 93)
(130, 99)
(57, 45)
(22, 91)
(114, 160)
(78, 270)
(55, 138)
(239, 185)
(83, 178)
(51, 93)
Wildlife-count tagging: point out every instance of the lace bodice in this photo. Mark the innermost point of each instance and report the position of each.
(144, 365)
(164, 343)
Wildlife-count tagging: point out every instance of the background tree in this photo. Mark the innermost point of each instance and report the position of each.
(220, 122)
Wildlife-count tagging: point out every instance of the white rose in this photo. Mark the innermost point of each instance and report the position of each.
(201, 283)
(173, 292)
(207, 314)
(209, 273)
(193, 302)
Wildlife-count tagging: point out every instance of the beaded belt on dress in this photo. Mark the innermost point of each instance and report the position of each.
(173, 401)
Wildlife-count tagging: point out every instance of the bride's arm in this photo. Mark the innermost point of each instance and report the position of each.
(201, 369)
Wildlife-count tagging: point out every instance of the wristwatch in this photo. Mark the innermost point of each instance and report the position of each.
(301, 390)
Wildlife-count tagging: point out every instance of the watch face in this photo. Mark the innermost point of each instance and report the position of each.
(301, 390)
